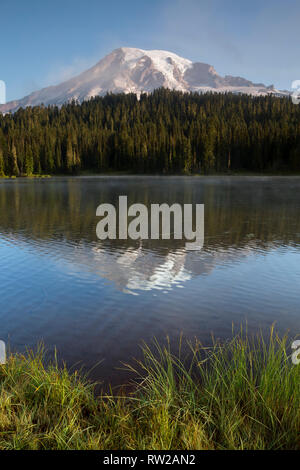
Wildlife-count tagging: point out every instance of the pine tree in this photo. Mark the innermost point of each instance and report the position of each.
(14, 161)
(2, 174)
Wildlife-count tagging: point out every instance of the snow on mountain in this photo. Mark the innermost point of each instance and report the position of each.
(131, 70)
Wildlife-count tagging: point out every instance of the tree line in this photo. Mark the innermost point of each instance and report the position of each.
(162, 132)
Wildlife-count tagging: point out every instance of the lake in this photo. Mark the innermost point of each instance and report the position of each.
(97, 301)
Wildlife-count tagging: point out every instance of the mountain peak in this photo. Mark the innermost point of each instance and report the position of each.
(133, 70)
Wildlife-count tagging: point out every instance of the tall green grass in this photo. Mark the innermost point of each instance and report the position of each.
(244, 394)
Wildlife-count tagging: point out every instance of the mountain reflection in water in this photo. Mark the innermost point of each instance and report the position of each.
(97, 300)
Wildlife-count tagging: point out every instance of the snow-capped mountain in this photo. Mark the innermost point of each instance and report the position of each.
(131, 70)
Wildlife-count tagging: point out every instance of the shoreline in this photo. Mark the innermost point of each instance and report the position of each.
(153, 175)
(241, 394)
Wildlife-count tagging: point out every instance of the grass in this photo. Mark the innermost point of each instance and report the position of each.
(24, 175)
(244, 394)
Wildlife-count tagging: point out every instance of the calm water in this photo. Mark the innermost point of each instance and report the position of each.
(98, 300)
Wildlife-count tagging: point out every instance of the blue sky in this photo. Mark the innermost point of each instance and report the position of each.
(46, 42)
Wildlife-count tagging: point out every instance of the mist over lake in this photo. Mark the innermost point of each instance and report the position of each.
(97, 301)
